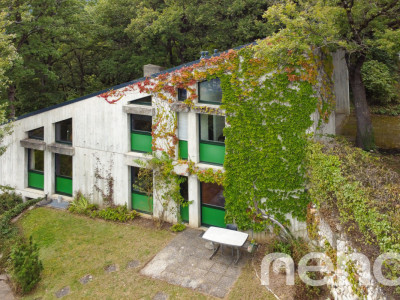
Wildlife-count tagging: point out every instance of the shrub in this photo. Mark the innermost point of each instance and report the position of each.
(115, 213)
(9, 200)
(178, 227)
(81, 205)
(26, 265)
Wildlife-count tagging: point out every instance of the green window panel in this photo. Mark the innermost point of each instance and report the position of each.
(212, 216)
(185, 214)
(64, 185)
(211, 153)
(183, 149)
(142, 203)
(36, 180)
(141, 142)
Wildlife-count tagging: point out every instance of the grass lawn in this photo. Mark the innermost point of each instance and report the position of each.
(72, 246)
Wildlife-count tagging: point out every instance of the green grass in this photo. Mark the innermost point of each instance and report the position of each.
(72, 246)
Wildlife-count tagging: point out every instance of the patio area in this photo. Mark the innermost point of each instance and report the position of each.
(185, 262)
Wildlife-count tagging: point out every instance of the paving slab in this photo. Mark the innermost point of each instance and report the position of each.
(185, 262)
(5, 291)
(63, 292)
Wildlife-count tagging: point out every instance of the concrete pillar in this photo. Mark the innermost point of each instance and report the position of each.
(193, 182)
(194, 197)
(49, 161)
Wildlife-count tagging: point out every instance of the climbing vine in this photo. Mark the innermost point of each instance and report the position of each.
(268, 109)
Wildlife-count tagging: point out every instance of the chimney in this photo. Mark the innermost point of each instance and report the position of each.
(150, 69)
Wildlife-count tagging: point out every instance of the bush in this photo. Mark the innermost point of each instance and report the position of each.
(378, 82)
(115, 213)
(81, 205)
(9, 200)
(178, 227)
(26, 265)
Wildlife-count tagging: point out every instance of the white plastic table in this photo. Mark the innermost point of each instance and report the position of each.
(222, 236)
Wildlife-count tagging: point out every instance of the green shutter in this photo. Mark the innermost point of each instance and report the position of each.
(183, 149)
(212, 153)
(141, 142)
(64, 185)
(212, 216)
(142, 203)
(35, 180)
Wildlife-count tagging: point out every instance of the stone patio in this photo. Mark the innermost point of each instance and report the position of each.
(185, 262)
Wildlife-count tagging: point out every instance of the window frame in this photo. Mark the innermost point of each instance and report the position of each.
(199, 94)
(141, 131)
(139, 102)
(56, 131)
(30, 159)
(208, 141)
(56, 163)
(133, 190)
(35, 137)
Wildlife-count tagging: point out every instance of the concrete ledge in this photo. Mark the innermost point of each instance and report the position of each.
(208, 109)
(33, 144)
(61, 149)
(181, 169)
(131, 157)
(139, 109)
(204, 166)
(63, 197)
(179, 107)
(32, 193)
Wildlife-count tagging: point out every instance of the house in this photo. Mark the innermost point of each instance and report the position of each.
(76, 145)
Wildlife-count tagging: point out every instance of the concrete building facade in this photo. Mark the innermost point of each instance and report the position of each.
(76, 145)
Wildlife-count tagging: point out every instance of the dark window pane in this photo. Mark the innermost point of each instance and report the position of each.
(36, 160)
(142, 180)
(141, 123)
(37, 133)
(185, 189)
(212, 194)
(64, 131)
(64, 165)
(210, 91)
(212, 128)
(182, 94)
(142, 101)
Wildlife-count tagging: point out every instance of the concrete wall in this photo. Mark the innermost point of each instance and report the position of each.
(341, 82)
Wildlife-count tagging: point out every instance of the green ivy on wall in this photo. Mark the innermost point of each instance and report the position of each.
(268, 109)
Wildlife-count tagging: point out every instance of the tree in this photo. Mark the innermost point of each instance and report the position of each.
(358, 27)
(7, 57)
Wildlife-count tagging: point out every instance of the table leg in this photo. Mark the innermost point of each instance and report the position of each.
(238, 255)
(215, 250)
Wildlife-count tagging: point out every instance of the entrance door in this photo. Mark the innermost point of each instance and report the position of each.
(212, 205)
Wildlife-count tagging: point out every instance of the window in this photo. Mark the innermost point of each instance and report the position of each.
(212, 194)
(142, 101)
(64, 132)
(182, 94)
(211, 128)
(36, 160)
(212, 204)
(63, 165)
(35, 169)
(210, 91)
(37, 134)
(183, 135)
(184, 189)
(141, 124)
(212, 140)
(141, 139)
(63, 174)
(142, 187)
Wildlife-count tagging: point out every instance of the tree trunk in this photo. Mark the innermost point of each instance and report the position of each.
(11, 100)
(365, 135)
